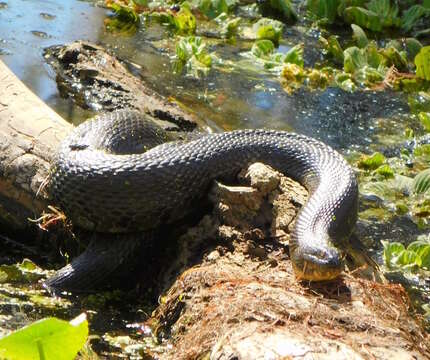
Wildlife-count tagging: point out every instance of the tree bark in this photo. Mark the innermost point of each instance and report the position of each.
(30, 131)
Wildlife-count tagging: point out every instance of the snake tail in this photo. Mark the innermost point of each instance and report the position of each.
(102, 264)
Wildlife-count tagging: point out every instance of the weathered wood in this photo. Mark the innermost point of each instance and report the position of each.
(97, 80)
(29, 133)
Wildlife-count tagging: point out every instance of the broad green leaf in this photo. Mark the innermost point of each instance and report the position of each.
(406, 258)
(263, 48)
(323, 9)
(333, 47)
(391, 251)
(212, 8)
(359, 36)
(268, 29)
(295, 55)
(413, 47)
(425, 257)
(422, 62)
(363, 17)
(47, 339)
(285, 7)
(371, 162)
(424, 118)
(396, 58)
(386, 11)
(418, 246)
(386, 171)
(354, 59)
(184, 21)
(421, 182)
(412, 15)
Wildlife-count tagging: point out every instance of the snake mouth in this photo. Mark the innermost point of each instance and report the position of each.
(318, 264)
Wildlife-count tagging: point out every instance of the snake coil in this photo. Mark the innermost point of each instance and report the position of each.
(116, 173)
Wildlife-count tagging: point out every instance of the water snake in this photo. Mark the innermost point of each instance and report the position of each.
(117, 174)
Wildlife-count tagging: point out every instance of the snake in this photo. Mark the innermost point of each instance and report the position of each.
(119, 174)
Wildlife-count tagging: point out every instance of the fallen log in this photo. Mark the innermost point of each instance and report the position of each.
(30, 132)
(236, 295)
(97, 80)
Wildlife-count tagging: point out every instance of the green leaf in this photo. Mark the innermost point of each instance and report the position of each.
(285, 7)
(386, 171)
(425, 257)
(424, 118)
(268, 29)
(363, 17)
(323, 9)
(413, 47)
(359, 36)
(333, 47)
(422, 62)
(212, 8)
(184, 21)
(263, 48)
(387, 13)
(391, 251)
(354, 59)
(395, 57)
(295, 55)
(412, 15)
(371, 162)
(406, 258)
(421, 182)
(48, 339)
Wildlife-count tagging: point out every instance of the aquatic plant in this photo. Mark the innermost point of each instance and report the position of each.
(46, 339)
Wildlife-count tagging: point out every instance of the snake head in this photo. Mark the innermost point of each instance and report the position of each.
(316, 263)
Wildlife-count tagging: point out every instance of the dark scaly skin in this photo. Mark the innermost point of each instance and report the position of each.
(102, 185)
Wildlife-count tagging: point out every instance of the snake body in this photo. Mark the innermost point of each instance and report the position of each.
(116, 173)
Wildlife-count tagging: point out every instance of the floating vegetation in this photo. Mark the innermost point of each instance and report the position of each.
(49, 338)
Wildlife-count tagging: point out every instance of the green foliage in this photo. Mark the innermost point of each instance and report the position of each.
(371, 162)
(212, 8)
(415, 256)
(333, 48)
(424, 118)
(268, 29)
(50, 338)
(363, 17)
(421, 183)
(229, 26)
(192, 55)
(413, 47)
(276, 7)
(359, 36)
(422, 62)
(264, 51)
(387, 12)
(412, 15)
(385, 171)
(324, 9)
(26, 272)
(183, 22)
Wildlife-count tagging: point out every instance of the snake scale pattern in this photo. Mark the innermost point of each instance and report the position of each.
(117, 174)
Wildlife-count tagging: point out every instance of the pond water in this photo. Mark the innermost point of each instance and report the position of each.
(223, 100)
(359, 122)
